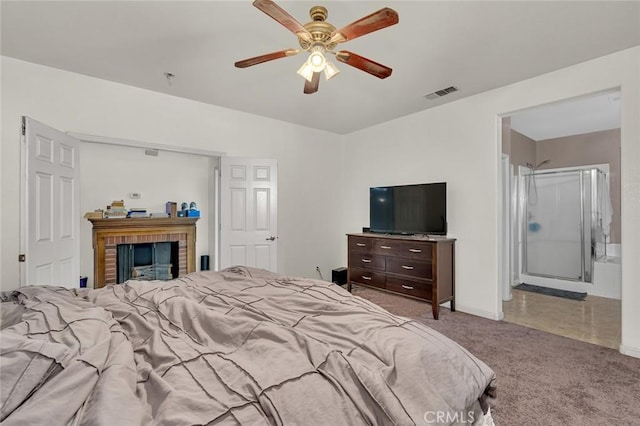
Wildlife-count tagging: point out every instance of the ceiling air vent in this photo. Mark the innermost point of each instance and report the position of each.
(440, 93)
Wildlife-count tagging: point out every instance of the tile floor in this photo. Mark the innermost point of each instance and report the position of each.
(595, 320)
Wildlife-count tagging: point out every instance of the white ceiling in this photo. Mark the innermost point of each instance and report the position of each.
(587, 114)
(475, 45)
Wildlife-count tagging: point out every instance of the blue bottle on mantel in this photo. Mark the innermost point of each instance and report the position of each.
(193, 210)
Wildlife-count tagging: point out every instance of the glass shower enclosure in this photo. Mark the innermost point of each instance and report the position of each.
(560, 223)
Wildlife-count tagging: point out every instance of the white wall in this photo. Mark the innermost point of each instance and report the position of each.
(309, 161)
(459, 143)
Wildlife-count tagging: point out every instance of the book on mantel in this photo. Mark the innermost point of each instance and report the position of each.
(138, 212)
(115, 213)
(116, 210)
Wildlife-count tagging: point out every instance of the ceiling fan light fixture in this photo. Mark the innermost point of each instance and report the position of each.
(316, 59)
(319, 37)
(306, 71)
(330, 70)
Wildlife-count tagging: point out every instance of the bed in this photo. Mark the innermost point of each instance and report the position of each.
(241, 346)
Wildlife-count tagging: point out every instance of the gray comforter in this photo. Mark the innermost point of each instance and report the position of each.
(239, 347)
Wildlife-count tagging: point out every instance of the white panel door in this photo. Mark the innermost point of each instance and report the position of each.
(248, 213)
(51, 232)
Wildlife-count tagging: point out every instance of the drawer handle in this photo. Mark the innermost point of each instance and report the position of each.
(407, 287)
(366, 278)
(361, 244)
(366, 260)
(407, 267)
(415, 250)
(385, 247)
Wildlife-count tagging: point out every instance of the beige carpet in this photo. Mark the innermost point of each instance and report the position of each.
(543, 379)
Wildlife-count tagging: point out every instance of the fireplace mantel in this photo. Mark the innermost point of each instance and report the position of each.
(108, 233)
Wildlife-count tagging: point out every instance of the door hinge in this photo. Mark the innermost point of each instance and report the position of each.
(22, 258)
(24, 126)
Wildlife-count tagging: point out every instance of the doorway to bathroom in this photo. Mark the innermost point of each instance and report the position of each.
(561, 180)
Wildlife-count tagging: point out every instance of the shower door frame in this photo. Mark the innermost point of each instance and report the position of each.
(593, 170)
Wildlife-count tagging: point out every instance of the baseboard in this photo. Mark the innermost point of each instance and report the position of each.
(630, 351)
(479, 312)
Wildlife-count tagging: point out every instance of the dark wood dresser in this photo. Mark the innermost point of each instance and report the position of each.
(418, 267)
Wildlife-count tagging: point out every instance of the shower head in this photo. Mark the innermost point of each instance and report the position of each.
(542, 163)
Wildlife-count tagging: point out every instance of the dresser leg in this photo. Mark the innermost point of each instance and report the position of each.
(349, 286)
(453, 306)
(435, 308)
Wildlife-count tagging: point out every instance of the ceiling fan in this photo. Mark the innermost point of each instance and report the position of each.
(320, 38)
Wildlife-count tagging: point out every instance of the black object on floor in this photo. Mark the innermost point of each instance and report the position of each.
(574, 295)
(339, 276)
(204, 262)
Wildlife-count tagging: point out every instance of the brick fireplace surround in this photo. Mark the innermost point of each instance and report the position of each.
(108, 233)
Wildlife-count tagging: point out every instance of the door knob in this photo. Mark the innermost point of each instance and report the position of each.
(271, 238)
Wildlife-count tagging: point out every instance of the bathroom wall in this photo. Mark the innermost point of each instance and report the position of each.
(523, 149)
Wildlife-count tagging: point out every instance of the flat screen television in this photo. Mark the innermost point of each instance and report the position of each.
(409, 209)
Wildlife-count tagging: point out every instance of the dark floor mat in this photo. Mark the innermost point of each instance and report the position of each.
(551, 291)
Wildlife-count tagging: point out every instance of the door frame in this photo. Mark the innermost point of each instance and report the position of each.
(507, 249)
(625, 349)
(23, 217)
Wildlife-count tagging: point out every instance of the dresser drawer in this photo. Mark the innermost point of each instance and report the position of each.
(363, 276)
(360, 244)
(365, 260)
(414, 268)
(408, 287)
(408, 249)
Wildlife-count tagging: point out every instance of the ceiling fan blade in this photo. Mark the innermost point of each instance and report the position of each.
(279, 14)
(266, 58)
(370, 23)
(364, 64)
(312, 86)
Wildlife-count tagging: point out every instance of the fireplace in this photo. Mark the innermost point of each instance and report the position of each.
(148, 261)
(111, 236)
